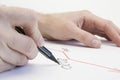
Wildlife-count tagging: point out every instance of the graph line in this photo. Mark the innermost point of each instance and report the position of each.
(87, 63)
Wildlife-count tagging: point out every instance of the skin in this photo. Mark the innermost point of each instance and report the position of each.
(17, 49)
(81, 26)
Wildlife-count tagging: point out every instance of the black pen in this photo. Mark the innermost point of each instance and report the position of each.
(42, 49)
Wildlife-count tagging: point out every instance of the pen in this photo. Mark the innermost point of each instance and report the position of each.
(42, 49)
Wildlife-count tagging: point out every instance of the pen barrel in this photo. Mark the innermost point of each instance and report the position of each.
(44, 51)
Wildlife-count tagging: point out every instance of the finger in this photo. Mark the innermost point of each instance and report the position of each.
(104, 35)
(112, 33)
(104, 25)
(86, 38)
(23, 44)
(5, 66)
(116, 28)
(27, 19)
(13, 57)
(34, 33)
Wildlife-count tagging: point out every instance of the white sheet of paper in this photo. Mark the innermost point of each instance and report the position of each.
(87, 63)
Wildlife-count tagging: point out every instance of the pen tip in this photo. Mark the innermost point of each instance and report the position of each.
(57, 62)
(47, 53)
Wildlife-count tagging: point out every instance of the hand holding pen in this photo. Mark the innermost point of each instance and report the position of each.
(42, 49)
(15, 48)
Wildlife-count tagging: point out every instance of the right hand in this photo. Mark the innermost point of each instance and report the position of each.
(79, 25)
(16, 49)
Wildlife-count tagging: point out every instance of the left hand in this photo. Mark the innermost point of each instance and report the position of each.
(81, 26)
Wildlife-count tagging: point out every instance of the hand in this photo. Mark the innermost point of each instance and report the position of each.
(81, 26)
(16, 49)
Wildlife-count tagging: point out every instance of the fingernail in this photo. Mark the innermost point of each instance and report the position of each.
(96, 43)
(41, 42)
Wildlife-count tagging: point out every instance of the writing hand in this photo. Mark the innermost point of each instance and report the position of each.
(16, 49)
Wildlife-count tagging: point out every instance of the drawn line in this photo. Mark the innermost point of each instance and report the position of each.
(88, 63)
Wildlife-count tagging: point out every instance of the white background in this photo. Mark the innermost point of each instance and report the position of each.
(108, 9)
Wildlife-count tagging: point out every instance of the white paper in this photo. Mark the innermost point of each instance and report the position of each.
(86, 64)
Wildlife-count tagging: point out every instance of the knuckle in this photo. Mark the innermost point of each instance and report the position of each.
(12, 41)
(31, 49)
(109, 22)
(5, 66)
(2, 45)
(29, 45)
(86, 12)
(22, 61)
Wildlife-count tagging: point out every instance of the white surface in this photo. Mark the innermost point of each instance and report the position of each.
(95, 61)
(94, 64)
